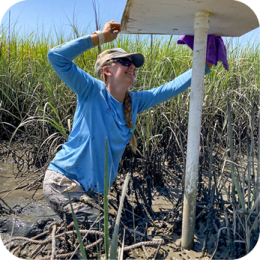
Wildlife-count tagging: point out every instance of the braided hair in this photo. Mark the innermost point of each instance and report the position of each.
(129, 121)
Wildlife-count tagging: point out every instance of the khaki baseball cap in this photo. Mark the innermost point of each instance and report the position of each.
(107, 55)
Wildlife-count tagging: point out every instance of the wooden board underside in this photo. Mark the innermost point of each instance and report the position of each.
(176, 17)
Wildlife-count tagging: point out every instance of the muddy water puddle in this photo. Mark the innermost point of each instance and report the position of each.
(30, 207)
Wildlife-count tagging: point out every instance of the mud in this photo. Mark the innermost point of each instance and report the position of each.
(32, 212)
(33, 215)
(157, 200)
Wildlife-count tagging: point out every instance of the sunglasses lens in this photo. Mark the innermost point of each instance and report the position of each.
(125, 62)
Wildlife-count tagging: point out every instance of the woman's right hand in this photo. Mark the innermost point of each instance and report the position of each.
(209, 64)
(111, 30)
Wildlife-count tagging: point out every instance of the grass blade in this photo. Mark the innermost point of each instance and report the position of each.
(106, 204)
(114, 244)
(82, 249)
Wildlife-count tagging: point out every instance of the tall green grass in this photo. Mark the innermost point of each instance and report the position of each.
(28, 82)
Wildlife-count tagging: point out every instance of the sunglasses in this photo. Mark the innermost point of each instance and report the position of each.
(123, 61)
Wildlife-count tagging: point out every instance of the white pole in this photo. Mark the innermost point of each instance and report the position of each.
(201, 25)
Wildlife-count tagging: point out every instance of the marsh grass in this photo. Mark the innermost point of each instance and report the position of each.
(82, 249)
(35, 102)
(106, 204)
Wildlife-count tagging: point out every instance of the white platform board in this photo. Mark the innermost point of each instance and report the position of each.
(176, 17)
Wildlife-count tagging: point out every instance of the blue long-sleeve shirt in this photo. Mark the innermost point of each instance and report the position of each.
(99, 116)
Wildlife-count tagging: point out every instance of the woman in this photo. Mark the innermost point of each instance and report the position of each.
(105, 110)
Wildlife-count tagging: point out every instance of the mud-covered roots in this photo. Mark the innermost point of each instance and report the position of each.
(64, 243)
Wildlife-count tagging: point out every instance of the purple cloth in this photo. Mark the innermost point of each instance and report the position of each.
(216, 49)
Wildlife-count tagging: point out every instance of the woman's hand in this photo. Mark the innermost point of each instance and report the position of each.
(111, 30)
(209, 65)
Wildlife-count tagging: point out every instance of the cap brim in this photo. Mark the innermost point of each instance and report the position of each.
(138, 58)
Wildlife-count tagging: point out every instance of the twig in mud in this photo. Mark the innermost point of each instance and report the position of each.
(218, 241)
(201, 213)
(210, 223)
(145, 252)
(35, 183)
(230, 240)
(7, 205)
(156, 252)
(95, 222)
(37, 250)
(53, 241)
(21, 183)
(12, 232)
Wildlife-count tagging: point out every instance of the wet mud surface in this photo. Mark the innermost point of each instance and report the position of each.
(157, 201)
(31, 210)
(33, 216)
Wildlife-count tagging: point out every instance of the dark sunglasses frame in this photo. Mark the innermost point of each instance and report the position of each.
(123, 61)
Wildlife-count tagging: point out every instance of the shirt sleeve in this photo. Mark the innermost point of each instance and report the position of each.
(152, 97)
(61, 59)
